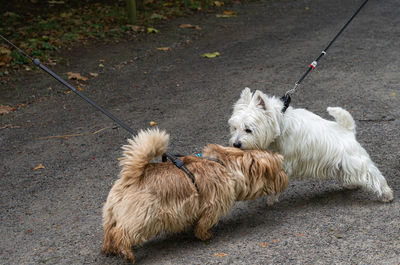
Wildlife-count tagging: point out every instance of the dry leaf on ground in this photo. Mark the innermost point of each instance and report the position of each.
(136, 28)
(190, 26)
(152, 30)
(76, 76)
(39, 166)
(4, 50)
(152, 123)
(264, 245)
(4, 109)
(164, 49)
(211, 55)
(220, 254)
(227, 13)
(94, 74)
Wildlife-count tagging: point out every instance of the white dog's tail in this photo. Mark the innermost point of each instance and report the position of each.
(343, 118)
(147, 145)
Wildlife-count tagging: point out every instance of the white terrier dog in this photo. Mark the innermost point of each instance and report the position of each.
(312, 147)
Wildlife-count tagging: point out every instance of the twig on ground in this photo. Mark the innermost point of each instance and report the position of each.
(73, 135)
(9, 126)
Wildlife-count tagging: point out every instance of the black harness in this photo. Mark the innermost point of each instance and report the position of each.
(182, 166)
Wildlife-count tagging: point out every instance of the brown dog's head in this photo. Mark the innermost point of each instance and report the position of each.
(262, 169)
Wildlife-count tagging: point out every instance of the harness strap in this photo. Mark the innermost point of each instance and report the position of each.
(179, 163)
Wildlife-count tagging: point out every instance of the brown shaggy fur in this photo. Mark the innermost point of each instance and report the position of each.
(150, 198)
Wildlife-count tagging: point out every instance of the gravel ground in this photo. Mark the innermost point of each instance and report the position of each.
(52, 215)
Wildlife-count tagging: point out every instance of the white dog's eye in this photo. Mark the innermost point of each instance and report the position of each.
(248, 131)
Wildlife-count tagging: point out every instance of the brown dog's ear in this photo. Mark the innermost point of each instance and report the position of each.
(281, 182)
(273, 164)
(270, 167)
(214, 151)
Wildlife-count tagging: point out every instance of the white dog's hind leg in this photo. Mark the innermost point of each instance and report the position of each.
(385, 192)
(369, 178)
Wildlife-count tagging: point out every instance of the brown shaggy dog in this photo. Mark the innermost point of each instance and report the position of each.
(150, 198)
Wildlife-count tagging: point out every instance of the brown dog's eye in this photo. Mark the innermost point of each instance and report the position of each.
(248, 131)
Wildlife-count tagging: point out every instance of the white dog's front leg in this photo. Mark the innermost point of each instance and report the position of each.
(273, 198)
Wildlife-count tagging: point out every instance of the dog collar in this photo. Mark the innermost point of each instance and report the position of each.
(286, 101)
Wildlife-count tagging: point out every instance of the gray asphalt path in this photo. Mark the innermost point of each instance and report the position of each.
(52, 215)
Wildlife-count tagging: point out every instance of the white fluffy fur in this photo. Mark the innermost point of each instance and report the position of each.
(312, 146)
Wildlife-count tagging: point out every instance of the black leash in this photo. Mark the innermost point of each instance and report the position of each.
(286, 98)
(177, 162)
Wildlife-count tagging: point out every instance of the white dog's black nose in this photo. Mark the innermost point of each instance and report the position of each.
(237, 144)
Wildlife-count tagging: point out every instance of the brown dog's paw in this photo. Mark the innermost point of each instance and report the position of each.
(203, 234)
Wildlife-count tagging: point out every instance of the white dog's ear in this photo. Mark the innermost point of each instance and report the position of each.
(245, 96)
(258, 100)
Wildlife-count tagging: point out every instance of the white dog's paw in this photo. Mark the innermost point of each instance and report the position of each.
(350, 186)
(272, 199)
(387, 195)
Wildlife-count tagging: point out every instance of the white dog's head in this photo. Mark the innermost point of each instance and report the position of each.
(255, 121)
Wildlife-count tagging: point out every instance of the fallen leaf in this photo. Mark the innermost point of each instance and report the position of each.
(101, 65)
(152, 123)
(218, 3)
(10, 14)
(76, 76)
(152, 30)
(136, 28)
(4, 109)
(80, 88)
(39, 166)
(157, 16)
(190, 26)
(227, 13)
(56, 2)
(275, 240)
(264, 245)
(94, 74)
(211, 55)
(220, 254)
(164, 48)
(4, 51)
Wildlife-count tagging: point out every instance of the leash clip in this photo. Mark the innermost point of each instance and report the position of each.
(313, 64)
